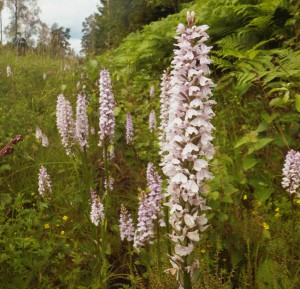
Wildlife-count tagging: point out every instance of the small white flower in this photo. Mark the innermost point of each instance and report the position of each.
(179, 178)
(184, 250)
(189, 220)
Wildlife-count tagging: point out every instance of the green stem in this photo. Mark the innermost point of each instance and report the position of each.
(187, 280)
(104, 222)
(98, 240)
(293, 226)
(102, 255)
(158, 252)
(132, 277)
(107, 193)
(166, 211)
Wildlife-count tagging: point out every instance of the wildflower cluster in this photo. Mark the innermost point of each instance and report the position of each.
(111, 184)
(65, 123)
(149, 209)
(129, 128)
(126, 225)
(107, 104)
(144, 232)
(41, 136)
(155, 196)
(97, 210)
(82, 124)
(152, 91)
(291, 173)
(188, 143)
(152, 121)
(44, 182)
(164, 110)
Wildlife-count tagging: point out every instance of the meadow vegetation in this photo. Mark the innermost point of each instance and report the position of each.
(253, 241)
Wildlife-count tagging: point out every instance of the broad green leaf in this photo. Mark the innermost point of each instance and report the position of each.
(222, 217)
(249, 162)
(229, 189)
(269, 118)
(265, 274)
(261, 143)
(262, 193)
(214, 195)
(289, 117)
(251, 137)
(227, 199)
(196, 276)
(263, 126)
(117, 110)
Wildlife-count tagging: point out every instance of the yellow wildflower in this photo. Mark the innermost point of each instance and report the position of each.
(62, 232)
(202, 251)
(65, 218)
(265, 225)
(298, 202)
(245, 197)
(47, 226)
(277, 210)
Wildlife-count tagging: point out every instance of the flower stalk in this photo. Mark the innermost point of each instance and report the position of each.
(188, 147)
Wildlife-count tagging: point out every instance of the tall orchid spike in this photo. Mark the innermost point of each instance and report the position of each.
(291, 173)
(126, 225)
(152, 121)
(144, 232)
(97, 209)
(129, 128)
(188, 145)
(107, 104)
(44, 182)
(155, 197)
(164, 110)
(82, 124)
(65, 123)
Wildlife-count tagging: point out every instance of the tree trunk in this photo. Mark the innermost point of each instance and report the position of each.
(16, 18)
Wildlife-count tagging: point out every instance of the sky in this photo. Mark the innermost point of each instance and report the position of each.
(67, 13)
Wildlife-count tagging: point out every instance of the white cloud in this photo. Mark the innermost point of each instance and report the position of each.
(67, 13)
